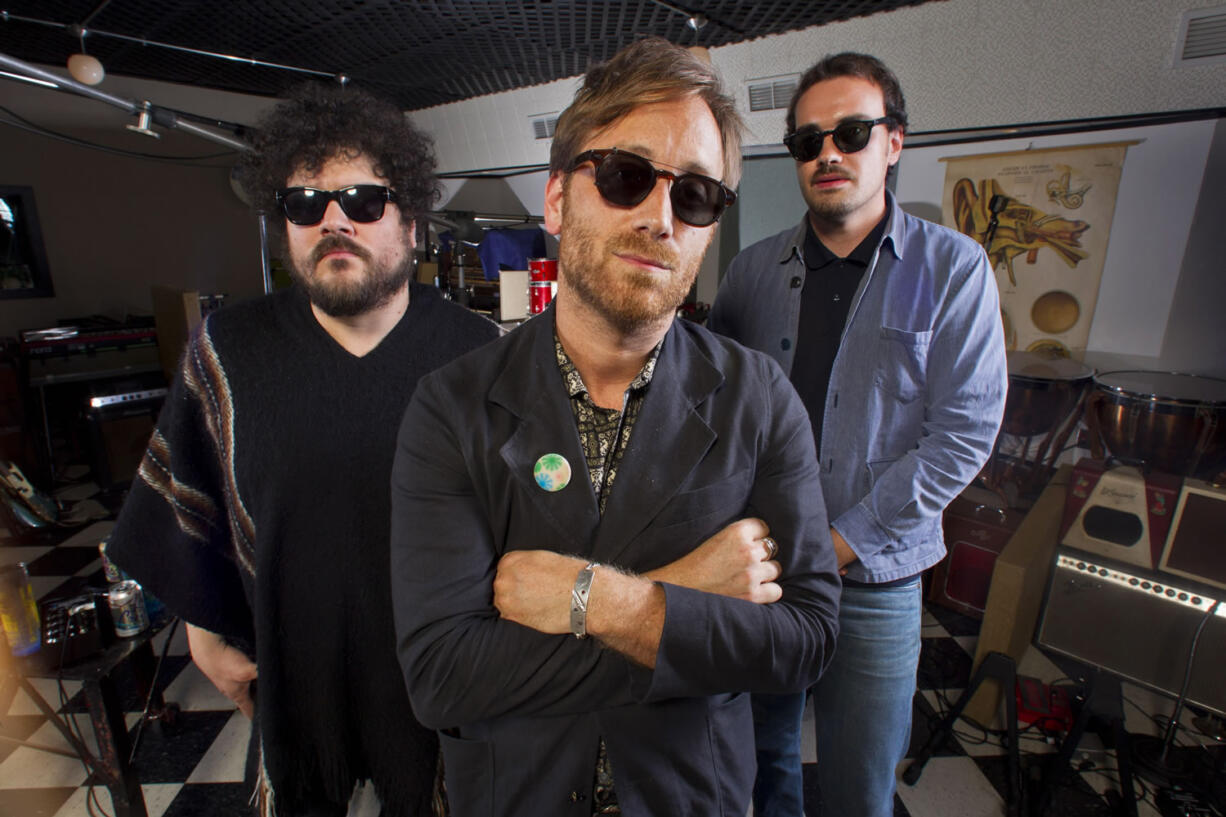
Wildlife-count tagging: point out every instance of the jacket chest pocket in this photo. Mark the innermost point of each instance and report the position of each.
(902, 363)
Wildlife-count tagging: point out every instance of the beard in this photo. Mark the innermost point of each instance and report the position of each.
(341, 298)
(630, 299)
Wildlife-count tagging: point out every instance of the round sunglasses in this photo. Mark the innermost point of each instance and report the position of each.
(627, 179)
(851, 136)
(363, 203)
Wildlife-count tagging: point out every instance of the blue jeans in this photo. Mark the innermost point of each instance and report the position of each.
(862, 706)
(778, 790)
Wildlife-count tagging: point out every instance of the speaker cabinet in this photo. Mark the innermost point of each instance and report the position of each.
(974, 536)
(119, 429)
(1136, 624)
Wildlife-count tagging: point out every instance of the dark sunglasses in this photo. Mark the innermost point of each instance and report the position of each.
(363, 203)
(851, 136)
(626, 179)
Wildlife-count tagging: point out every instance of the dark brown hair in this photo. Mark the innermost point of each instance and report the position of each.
(851, 64)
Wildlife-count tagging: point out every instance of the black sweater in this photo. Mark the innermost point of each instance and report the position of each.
(261, 511)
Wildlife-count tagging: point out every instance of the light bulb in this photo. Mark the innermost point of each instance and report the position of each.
(86, 69)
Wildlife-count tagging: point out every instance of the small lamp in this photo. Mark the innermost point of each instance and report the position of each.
(83, 67)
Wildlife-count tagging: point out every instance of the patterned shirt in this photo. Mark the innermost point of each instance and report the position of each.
(604, 434)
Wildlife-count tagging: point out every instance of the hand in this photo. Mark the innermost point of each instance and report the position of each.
(230, 670)
(733, 562)
(842, 551)
(533, 588)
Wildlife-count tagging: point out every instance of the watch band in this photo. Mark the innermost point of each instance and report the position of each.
(578, 600)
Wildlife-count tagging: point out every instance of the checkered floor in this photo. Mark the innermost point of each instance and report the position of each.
(194, 766)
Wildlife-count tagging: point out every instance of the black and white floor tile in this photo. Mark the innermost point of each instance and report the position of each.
(194, 766)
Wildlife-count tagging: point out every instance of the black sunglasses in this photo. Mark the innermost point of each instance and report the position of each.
(851, 136)
(626, 179)
(363, 203)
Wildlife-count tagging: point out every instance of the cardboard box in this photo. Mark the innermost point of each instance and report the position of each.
(177, 314)
(1016, 593)
(513, 294)
(427, 271)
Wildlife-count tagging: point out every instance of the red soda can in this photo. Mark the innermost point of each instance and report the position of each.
(542, 283)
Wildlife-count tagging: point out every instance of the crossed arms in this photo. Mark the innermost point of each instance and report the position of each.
(480, 624)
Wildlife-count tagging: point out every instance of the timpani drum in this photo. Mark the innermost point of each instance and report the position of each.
(1168, 421)
(1043, 392)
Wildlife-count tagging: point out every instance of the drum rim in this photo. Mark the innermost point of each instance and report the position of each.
(1048, 382)
(1158, 398)
(1084, 377)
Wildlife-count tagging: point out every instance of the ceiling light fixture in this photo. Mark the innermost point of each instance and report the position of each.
(83, 67)
(79, 30)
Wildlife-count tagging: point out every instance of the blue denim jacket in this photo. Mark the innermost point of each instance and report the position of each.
(918, 387)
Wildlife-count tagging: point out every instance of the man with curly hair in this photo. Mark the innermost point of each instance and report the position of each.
(260, 511)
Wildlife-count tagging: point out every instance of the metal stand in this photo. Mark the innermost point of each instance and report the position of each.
(113, 764)
(1001, 668)
(1104, 698)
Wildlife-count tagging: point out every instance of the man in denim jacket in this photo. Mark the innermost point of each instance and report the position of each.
(890, 329)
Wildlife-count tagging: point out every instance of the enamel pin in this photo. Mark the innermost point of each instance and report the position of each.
(552, 472)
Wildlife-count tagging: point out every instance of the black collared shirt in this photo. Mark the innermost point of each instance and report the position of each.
(830, 285)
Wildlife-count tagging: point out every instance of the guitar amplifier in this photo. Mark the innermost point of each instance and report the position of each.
(120, 426)
(1137, 624)
(974, 536)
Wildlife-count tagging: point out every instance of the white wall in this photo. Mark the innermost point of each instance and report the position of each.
(963, 63)
(1196, 341)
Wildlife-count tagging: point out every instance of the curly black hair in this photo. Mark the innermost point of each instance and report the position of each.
(317, 122)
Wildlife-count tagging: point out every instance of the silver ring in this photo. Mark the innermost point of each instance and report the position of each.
(772, 549)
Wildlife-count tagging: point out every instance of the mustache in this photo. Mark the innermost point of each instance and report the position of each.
(332, 243)
(635, 244)
(830, 170)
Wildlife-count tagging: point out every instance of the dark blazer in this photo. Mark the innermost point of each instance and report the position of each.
(721, 434)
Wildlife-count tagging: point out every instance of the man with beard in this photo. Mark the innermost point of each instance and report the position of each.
(890, 330)
(547, 539)
(260, 511)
